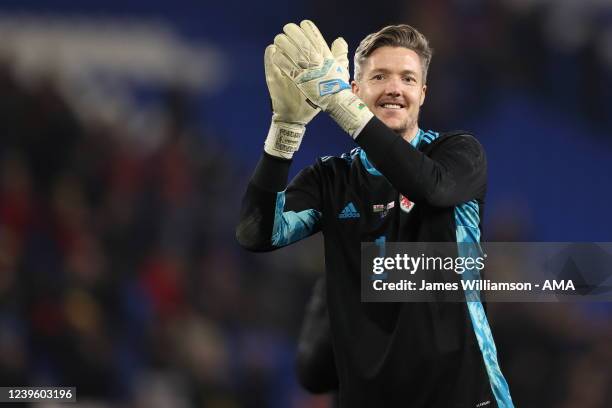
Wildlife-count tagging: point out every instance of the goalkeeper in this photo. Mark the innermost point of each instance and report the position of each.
(431, 186)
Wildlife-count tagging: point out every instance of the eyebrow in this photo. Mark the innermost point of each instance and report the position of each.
(386, 71)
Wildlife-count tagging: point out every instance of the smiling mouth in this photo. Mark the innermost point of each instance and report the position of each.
(391, 106)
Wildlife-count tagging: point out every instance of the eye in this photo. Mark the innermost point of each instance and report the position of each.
(409, 79)
(378, 77)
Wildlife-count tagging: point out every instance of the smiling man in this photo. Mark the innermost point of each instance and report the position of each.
(391, 81)
(402, 184)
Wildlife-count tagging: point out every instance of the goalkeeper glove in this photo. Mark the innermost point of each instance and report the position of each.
(303, 55)
(290, 111)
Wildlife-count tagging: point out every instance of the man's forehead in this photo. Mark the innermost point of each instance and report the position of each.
(393, 59)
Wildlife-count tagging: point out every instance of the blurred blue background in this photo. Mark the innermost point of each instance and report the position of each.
(128, 134)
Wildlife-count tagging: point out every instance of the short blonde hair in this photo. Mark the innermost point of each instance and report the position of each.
(401, 35)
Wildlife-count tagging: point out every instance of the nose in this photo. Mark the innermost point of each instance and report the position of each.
(393, 87)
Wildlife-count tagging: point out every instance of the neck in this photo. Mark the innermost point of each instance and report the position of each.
(409, 135)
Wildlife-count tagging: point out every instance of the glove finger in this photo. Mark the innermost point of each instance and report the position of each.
(273, 73)
(316, 38)
(285, 64)
(268, 58)
(309, 53)
(339, 50)
(296, 35)
(286, 46)
(270, 71)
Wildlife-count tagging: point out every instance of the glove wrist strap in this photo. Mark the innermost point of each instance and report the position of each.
(349, 112)
(284, 139)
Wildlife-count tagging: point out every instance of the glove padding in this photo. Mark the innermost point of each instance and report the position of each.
(290, 111)
(320, 74)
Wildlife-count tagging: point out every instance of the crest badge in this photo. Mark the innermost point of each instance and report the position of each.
(405, 204)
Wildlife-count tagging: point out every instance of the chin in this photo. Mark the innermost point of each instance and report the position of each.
(395, 126)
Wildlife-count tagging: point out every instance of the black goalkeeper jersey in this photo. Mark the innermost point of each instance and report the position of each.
(388, 190)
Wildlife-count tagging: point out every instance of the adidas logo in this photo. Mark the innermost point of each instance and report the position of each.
(349, 212)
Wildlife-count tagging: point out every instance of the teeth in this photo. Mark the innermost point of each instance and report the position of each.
(391, 106)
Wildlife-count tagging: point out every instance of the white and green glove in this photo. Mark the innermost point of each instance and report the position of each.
(290, 111)
(321, 74)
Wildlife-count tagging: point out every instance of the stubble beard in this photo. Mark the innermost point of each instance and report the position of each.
(409, 125)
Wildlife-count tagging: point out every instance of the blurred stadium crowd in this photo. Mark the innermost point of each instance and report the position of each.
(119, 273)
(118, 270)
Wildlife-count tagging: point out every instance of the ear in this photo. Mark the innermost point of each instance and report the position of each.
(355, 87)
(423, 95)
